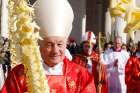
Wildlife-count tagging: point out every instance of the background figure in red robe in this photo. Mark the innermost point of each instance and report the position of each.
(132, 73)
(55, 19)
(89, 59)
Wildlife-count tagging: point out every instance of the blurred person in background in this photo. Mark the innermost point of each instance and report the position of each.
(115, 62)
(124, 47)
(89, 59)
(72, 46)
(132, 72)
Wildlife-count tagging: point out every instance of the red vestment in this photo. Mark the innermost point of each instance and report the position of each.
(132, 75)
(82, 60)
(75, 80)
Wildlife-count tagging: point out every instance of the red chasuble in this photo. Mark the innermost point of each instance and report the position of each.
(76, 79)
(82, 60)
(132, 75)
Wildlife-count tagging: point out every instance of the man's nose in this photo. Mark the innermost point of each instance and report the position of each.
(55, 49)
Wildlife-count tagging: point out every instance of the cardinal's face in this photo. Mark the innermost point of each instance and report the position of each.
(53, 50)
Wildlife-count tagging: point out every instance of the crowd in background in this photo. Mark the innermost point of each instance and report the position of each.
(132, 49)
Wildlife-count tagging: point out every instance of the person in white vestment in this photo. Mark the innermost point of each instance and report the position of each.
(115, 61)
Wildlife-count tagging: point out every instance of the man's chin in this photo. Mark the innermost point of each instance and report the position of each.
(51, 64)
(54, 62)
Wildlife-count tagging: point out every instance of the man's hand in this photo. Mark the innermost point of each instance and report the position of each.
(116, 63)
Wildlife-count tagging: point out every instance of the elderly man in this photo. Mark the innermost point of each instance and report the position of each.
(115, 61)
(55, 18)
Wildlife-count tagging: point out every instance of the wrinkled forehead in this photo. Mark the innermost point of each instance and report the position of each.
(54, 39)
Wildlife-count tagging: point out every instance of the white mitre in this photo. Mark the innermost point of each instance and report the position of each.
(54, 17)
(89, 36)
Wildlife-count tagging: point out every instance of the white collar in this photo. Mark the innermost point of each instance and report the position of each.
(55, 70)
(89, 64)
